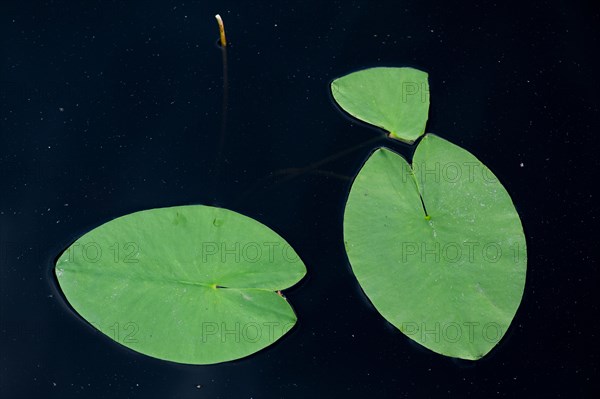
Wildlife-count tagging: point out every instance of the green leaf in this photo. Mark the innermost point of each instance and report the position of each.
(190, 284)
(394, 99)
(451, 279)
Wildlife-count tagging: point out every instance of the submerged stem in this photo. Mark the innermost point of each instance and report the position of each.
(224, 105)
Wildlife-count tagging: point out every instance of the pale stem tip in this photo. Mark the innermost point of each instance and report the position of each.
(221, 30)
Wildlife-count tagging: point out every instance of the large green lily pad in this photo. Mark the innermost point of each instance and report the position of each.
(451, 279)
(394, 99)
(190, 284)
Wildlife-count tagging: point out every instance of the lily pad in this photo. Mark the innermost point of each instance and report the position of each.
(438, 247)
(191, 284)
(394, 99)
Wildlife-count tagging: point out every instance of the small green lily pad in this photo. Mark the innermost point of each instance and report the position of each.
(191, 284)
(450, 279)
(394, 99)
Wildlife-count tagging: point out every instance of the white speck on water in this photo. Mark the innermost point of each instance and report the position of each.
(521, 164)
(60, 272)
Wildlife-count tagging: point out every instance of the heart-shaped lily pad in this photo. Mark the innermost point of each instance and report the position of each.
(437, 247)
(394, 99)
(191, 284)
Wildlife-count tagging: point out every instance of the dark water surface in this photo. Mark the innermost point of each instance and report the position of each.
(109, 107)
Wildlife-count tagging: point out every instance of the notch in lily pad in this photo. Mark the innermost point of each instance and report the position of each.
(394, 99)
(190, 284)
